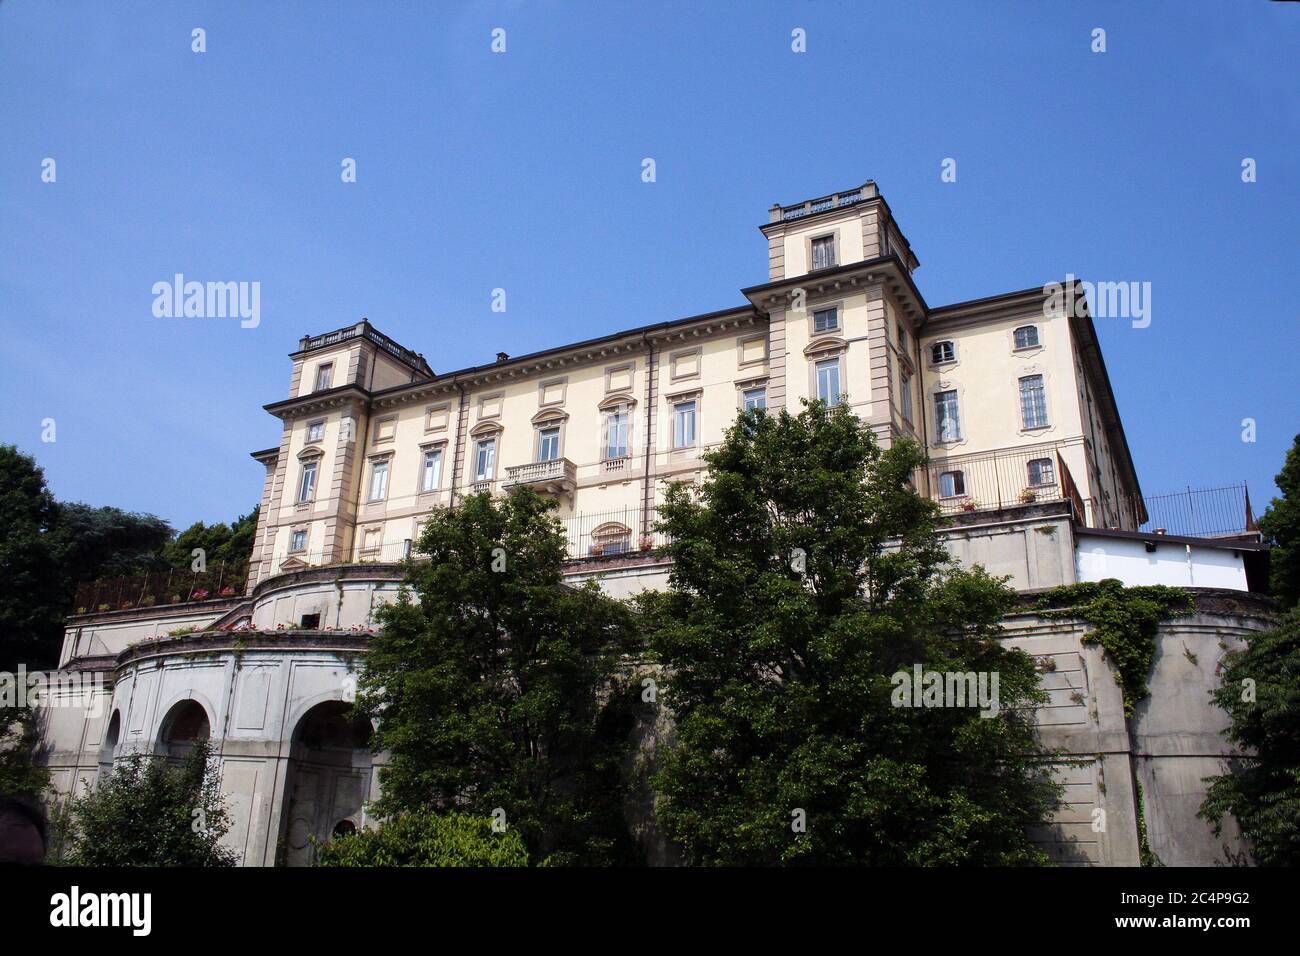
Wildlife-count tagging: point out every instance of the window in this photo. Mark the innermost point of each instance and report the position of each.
(952, 484)
(1042, 472)
(828, 381)
(905, 396)
(298, 541)
(485, 460)
(1026, 337)
(616, 434)
(379, 480)
(324, 375)
(684, 425)
(307, 484)
(309, 622)
(947, 417)
(431, 474)
(316, 431)
(753, 398)
(611, 538)
(548, 444)
(941, 352)
(1033, 401)
(902, 338)
(823, 252)
(826, 320)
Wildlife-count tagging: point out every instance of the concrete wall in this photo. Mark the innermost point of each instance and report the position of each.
(1156, 561)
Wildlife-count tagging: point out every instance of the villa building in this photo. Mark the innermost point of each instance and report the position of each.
(1008, 395)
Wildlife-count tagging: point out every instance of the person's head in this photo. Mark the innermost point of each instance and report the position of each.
(22, 831)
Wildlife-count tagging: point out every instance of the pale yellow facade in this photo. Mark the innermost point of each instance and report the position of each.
(1013, 408)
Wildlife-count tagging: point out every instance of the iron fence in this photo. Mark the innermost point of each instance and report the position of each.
(1201, 512)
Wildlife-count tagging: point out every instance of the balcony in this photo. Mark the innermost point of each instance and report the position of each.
(559, 476)
(998, 479)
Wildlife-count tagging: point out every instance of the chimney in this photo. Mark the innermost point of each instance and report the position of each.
(502, 356)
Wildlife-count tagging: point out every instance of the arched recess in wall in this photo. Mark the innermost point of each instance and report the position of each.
(109, 747)
(328, 780)
(185, 725)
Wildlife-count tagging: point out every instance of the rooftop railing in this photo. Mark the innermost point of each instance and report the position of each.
(812, 206)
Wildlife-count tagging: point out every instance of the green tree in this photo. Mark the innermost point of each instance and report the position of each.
(490, 683)
(1260, 690)
(220, 542)
(33, 595)
(20, 741)
(1280, 527)
(807, 573)
(107, 542)
(427, 839)
(152, 812)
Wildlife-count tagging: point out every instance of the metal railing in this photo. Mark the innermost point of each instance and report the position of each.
(161, 588)
(997, 479)
(1201, 512)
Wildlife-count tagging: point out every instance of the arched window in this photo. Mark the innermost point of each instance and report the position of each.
(1041, 472)
(184, 726)
(611, 538)
(942, 353)
(1026, 337)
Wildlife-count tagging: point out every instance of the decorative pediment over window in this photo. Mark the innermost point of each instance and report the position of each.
(486, 429)
(293, 563)
(616, 401)
(826, 344)
(310, 453)
(548, 415)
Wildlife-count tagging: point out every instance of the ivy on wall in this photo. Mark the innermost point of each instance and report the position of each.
(1124, 622)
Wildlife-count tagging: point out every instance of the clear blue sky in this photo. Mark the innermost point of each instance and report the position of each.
(522, 170)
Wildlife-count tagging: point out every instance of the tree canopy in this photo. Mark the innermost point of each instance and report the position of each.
(491, 681)
(807, 577)
(1280, 528)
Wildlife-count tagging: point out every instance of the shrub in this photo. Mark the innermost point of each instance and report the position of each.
(427, 839)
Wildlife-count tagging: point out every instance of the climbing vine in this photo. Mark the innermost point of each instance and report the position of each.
(1124, 622)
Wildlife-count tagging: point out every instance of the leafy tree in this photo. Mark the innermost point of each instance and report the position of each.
(489, 683)
(220, 542)
(1280, 527)
(33, 598)
(427, 839)
(20, 740)
(807, 573)
(106, 542)
(1261, 693)
(152, 812)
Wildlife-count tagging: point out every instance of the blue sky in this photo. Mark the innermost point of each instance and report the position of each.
(522, 170)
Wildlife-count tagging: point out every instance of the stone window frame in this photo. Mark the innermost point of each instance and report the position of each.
(430, 411)
(550, 417)
(612, 370)
(483, 400)
(742, 341)
(963, 436)
(385, 458)
(312, 424)
(695, 395)
(379, 425)
(946, 363)
(618, 401)
(824, 350)
(294, 531)
(833, 234)
(438, 445)
(542, 386)
(673, 358)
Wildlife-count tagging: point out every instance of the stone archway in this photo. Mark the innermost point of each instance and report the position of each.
(328, 780)
(109, 747)
(185, 725)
